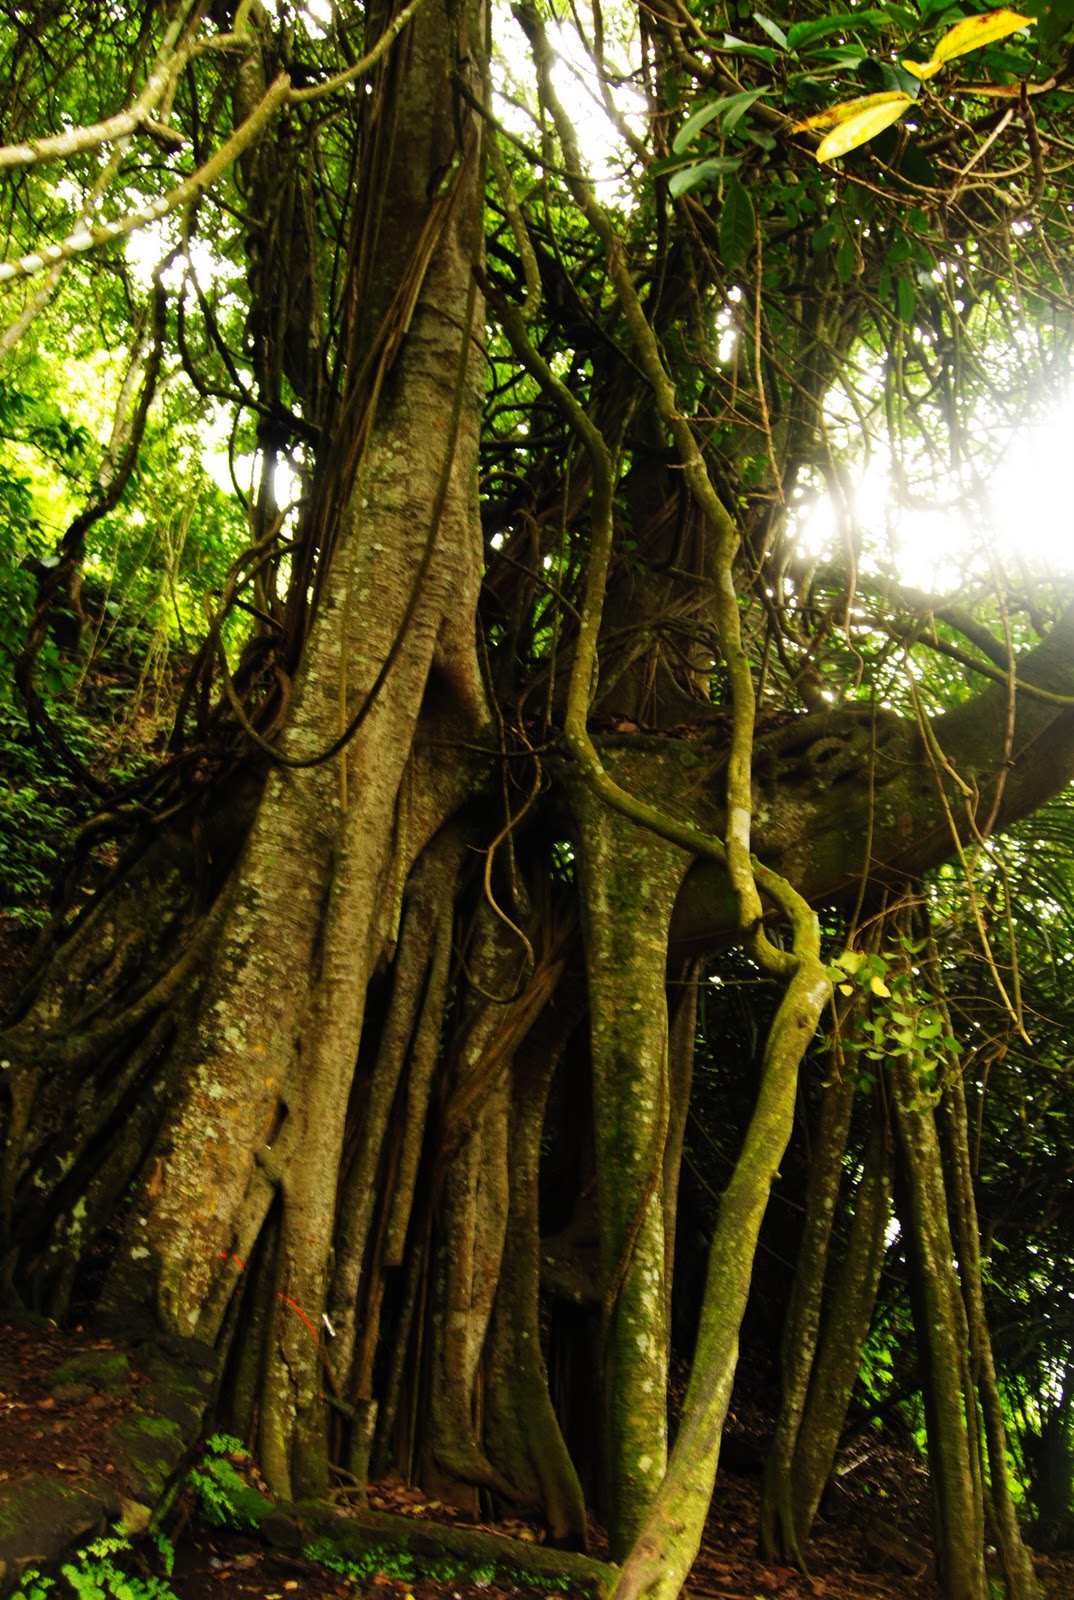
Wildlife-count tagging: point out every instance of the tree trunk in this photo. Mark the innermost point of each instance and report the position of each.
(950, 1400)
(522, 1432)
(629, 883)
(265, 1076)
(1017, 1565)
(778, 1537)
(665, 1549)
(838, 1358)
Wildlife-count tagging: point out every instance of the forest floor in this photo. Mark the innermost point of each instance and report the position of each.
(872, 1543)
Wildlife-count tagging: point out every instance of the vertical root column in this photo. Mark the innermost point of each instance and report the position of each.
(838, 1356)
(522, 1434)
(471, 1195)
(669, 1540)
(951, 1414)
(630, 880)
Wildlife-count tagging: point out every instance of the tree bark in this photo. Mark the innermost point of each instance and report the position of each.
(629, 881)
(838, 1358)
(266, 1074)
(950, 1400)
(669, 1540)
(779, 1536)
(1017, 1566)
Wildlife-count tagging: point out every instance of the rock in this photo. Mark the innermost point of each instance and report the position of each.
(134, 1517)
(42, 1517)
(73, 1393)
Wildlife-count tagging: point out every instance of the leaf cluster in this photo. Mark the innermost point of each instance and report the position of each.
(896, 1016)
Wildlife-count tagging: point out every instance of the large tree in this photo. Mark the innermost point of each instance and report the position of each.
(531, 704)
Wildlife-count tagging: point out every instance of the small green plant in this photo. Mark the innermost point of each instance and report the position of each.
(34, 1585)
(165, 1550)
(223, 1495)
(406, 1568)
(392, 1563)
(226, 1444)
(97, 1572)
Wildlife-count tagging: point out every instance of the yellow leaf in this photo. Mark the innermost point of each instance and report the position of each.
(1006, 91)
(864, 125)
(973, 32)
(879, 987)
(846, 988)
(922, 69)
(851, 108)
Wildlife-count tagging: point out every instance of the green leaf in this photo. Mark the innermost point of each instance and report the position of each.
(666, 164)
(844, 56)
(892, 77)
(730, 108)
(737, 225)
(905, 297)
(903, 17)
(773, 30)
(905, 157)
(694, 124)
(737, 107)
(741, 47)
(845, 260)
(704, 172)
(803, 34)
(1056, 16)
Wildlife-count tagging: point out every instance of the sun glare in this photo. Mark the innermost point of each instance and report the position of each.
(577, 83)
(1020, 513)
(1030, 496)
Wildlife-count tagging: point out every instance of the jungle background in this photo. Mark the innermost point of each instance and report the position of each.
(535, 831)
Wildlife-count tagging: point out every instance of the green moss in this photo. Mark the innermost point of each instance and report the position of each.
(150, 1448)
(159, 1427)
(104, 1370)
(405, 1567)
(37, 1505)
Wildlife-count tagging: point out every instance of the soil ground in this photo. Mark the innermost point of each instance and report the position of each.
(872, 1542)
